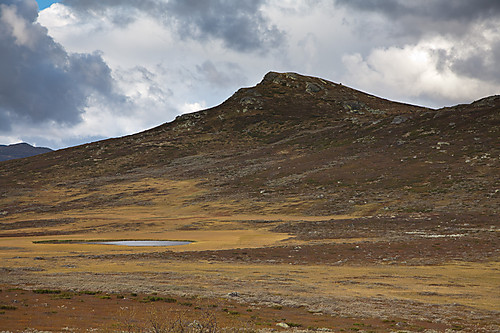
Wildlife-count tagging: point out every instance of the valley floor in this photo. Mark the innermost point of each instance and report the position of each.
(425, 272)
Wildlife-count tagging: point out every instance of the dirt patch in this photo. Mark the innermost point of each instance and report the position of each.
(84, 310)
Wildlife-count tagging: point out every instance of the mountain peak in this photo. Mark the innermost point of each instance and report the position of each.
(295, 80)
(281, 97)
(298, 96)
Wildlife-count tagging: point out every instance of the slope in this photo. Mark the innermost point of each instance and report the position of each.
(294, 144)
(300, 194)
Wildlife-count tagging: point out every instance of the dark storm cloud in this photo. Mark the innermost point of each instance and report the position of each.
(423, 17)
(39, 81)
(479, 64)
(441, 10)
(241, 25)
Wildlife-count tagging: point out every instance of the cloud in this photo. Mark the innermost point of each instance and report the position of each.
(40, 81)
(418, 73)
(430, 16)
(459, 42)
(240, 25)
(229, 75)
(476, 55)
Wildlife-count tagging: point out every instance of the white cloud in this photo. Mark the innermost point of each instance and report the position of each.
(192, 107)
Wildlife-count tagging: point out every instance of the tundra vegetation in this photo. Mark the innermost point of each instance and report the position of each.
(311, 206)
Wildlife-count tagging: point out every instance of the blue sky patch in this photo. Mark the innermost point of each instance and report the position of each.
(42, 4)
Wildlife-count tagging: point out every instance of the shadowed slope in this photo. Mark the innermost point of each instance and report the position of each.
(20, 150)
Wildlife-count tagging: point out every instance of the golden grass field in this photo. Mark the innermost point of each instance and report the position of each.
(451, 293)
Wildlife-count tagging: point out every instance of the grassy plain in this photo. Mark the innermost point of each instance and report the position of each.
(246, 254)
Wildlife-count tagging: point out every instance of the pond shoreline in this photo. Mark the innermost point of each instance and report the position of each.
(120, 242)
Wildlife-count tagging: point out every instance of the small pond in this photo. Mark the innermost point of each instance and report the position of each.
(142, 243)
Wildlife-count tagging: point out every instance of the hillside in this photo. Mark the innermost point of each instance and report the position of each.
(297, 144)
(309, 204)
(20, 150)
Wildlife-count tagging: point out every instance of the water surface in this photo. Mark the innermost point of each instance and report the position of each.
(143, 243)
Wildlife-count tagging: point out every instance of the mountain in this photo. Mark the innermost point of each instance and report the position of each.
(293, 144)
(20, 150)
(299, 194)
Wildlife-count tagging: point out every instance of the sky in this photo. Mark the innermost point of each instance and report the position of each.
(42, 4)
(77, 71)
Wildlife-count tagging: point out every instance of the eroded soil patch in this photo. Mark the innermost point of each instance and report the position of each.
(84, 310)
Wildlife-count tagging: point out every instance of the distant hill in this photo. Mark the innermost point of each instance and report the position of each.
(20, 150)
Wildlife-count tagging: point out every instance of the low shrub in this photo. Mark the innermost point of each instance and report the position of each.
(46, 291)
(170, 300)
(8, 307)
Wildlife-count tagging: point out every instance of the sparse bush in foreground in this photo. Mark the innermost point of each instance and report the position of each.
(162, 320)
(8, 307)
